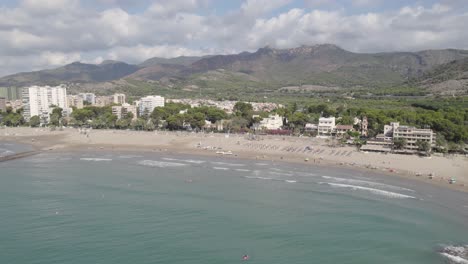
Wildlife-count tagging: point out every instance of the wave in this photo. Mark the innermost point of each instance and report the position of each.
(95, 159)
(129, 156)
(6, 153)
(280, 173)
(455, 254)
(368, 183)
(187, 161)
(290, 181)
(220, 168)
(371, 190)
(261, 164)
(160, 164)
(242, 170)
(258, 178)
(228, 164)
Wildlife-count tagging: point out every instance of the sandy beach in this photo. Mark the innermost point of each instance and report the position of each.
(313, 151)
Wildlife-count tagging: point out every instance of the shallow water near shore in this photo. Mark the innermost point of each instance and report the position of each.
(100, 207)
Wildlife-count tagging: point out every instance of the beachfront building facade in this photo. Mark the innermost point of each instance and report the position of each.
(148, 103)
(326, 126)
(272, 122)
(37, 100)
(119, 98)
(123, 110)
(412, 135)
(340, 130)
(75, 101)
(89, 98)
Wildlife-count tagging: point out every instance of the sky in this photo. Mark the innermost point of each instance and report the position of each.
(42, 34)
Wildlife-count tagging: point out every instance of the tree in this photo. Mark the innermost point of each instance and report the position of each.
(298, 120)
(138, 124)
(196, 120)
(243, 109)
(175, 122)
(34, 121)
(399, 143)
(423, 146)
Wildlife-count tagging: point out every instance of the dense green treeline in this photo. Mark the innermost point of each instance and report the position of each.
(448, 120)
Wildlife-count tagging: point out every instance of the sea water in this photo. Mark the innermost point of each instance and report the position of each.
(100, 207)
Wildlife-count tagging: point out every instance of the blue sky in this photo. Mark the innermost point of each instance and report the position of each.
(38, 34)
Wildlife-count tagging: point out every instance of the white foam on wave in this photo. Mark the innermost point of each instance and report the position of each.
(186, 160)
(261, 164)
(258, 178)
(455, 259)
(242, 170)
(220, 168)
(455, 254)
(6, 153)
(160, 164)
(95, 159)
(371, 190)
(228, 164)
(129, 156)
(290, 181)
(368, 183)
(280, 173)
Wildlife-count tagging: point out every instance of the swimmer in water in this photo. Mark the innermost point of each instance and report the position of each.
(245, 257)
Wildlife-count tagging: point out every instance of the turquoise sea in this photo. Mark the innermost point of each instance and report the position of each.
(98, 207)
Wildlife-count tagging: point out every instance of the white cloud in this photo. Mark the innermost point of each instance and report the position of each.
(45, 33)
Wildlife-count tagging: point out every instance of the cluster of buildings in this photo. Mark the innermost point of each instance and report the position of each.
(41, 100)
(227, 106)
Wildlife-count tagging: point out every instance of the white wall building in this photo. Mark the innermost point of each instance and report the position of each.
(412, 135)
(273, 122)
(148, 104)
(326, 126)
(119, 99)
(38, 99)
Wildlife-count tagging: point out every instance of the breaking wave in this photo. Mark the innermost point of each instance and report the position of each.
(242, 170)
(188, 161)
(95, 159)
(455, 254)
(160, 164)
(367, 183)
(258, 178)
(280, 173)
(371, 190)
(220, 168)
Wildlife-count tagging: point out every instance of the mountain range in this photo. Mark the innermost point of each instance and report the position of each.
(325, 65)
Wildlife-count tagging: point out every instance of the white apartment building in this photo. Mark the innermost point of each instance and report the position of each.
(119, 99)
(75, 101)
(148, 103)
(38, 99)
(326, 126)
(412, 135)
(273, 122)
(88, 97)
(121, 111)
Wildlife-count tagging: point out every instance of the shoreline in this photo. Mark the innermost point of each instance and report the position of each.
(269, 148)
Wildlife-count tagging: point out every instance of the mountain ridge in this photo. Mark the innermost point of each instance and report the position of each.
(322, 64)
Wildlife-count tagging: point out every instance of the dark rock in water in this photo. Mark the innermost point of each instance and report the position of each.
(455, 254)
